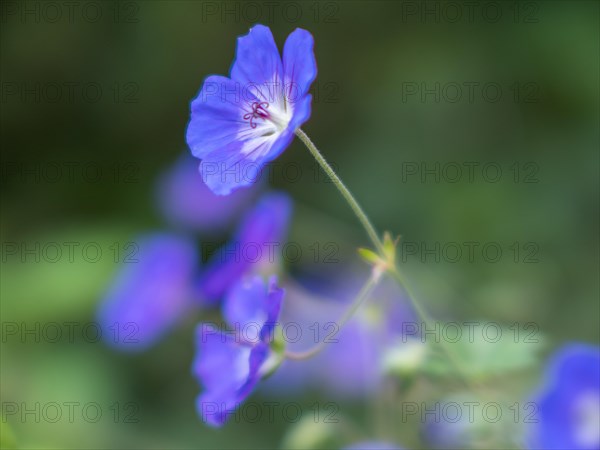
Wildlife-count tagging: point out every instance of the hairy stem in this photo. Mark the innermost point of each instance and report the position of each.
(393, 271)
(364, 220)
(361, 297)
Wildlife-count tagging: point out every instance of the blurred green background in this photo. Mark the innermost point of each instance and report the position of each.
(149, 59)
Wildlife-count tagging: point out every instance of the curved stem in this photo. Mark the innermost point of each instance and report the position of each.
(394, 272)
(362, 295)
(428, 321)
(364, 220)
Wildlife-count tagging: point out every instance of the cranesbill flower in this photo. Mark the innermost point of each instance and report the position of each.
(446, 431)
(256, 246)
(186, 202)
(352, 363)
(151, 292)
(568, 404)
(239, 124)
(373, 445)
(230, 364)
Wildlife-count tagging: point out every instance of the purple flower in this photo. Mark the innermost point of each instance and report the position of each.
(151, 292)
(353, 361)
(568, 404)
(449, 427)
(239, 124)
(373, 445)
(258, 243)
(230, 364)
(186, 201)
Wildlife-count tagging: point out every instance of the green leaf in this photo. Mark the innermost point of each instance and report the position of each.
(311, 434)
(481, 354)
(369, 256)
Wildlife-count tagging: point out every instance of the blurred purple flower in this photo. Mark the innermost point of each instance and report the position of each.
(227, 363)
(568, 404)
(373, 445)
(186, 201)
(257, 245)
(446, 431)
(352, 363)
(150, 293)
(239, 124)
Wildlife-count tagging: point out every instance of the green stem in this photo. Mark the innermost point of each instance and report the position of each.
(363, 295)
(364, 220)
(429, 325)
(394, 271)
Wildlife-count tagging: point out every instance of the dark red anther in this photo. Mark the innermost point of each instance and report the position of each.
(259, 110)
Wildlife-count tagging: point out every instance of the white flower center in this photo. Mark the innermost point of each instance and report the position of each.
(270, 113)
(264, 119)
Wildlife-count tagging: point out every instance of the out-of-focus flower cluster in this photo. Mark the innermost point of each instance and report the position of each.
(268, 315)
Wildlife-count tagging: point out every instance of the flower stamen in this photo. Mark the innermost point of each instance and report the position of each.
(259, 111)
